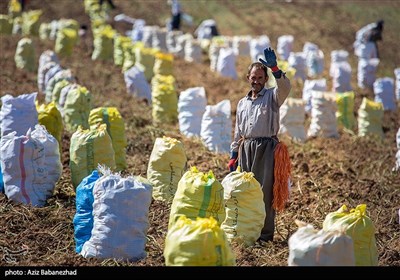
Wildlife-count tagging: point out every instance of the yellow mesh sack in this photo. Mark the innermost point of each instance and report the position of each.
(77, 108)
(25, 57)
(30, 22)
(14, 8)
(345, 110)
(198, 195)
(6, 25)
(244, 207)
(129, 54)
(197, 242)
(115, 128)
(163, 64)
(145, 59)
(370, 115)
(360, 228)
(66, 40)
(164, 99)
(103, 43)
(50, 117)
(166, 166)
(119, 42)
(88, 149)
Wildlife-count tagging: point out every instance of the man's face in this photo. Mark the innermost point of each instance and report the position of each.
(257, 79)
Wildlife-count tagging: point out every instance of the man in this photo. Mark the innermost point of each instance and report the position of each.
(176, 14)
(255, 147)
(368, 35)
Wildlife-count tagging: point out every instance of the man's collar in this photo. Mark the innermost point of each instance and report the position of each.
(260, 93)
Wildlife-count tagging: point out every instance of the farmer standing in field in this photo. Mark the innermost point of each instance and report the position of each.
(176, 14)
(255, 147)
(369, 34)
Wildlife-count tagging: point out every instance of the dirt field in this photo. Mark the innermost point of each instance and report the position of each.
(327, 173)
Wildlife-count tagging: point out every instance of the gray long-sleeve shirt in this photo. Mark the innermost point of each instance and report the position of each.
(260, 117)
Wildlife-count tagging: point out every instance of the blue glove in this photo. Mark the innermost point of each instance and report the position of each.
(270, 59)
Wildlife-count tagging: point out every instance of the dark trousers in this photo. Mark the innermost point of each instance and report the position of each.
(257, 155)
(176, 22)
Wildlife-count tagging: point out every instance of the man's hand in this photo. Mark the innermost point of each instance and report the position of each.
(270, 59)
(233, 161)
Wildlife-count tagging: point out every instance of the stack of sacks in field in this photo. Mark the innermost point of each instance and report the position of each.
(18, 113)
(147, 37)
(14, 8)
(192, 104)
(25, 57)
(160, 39)
(17, 23)
(181, 39)
(31, 165)
(310, 247)
(115, 128)
(345, 110)
(368, 60)
(6, 24)
(83, 218)
(284, 46)
(370, 116)
(50, 117)
(76, 108)
(145, 59)
(384, 93)
(88, 149)
(47, 60)
(340, 71)
(58, 89)
(31, 22)
(198, 195)
(49, 30)
(244, 207)
(29, 155)
(257, 46)
(136, 34)
(64, 77)
(216, 127)
(366, 72)
(226, 63)
(314, 59)
(129, 55)
(66, 37)
(137, 84)
(397, 78)
(192, 50)
(64, 88)
(97, 11)
(323, 115)
(241, 45)
(292, 119)
(123, 50)
(297, 60)
(119, 214)
(216, 44)
(166, 166)
(199, 242)
(360, 228)
(103, 43)
(310, 87)
(164, 99)
(172, 40)
(396, 168)
(163, 64)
